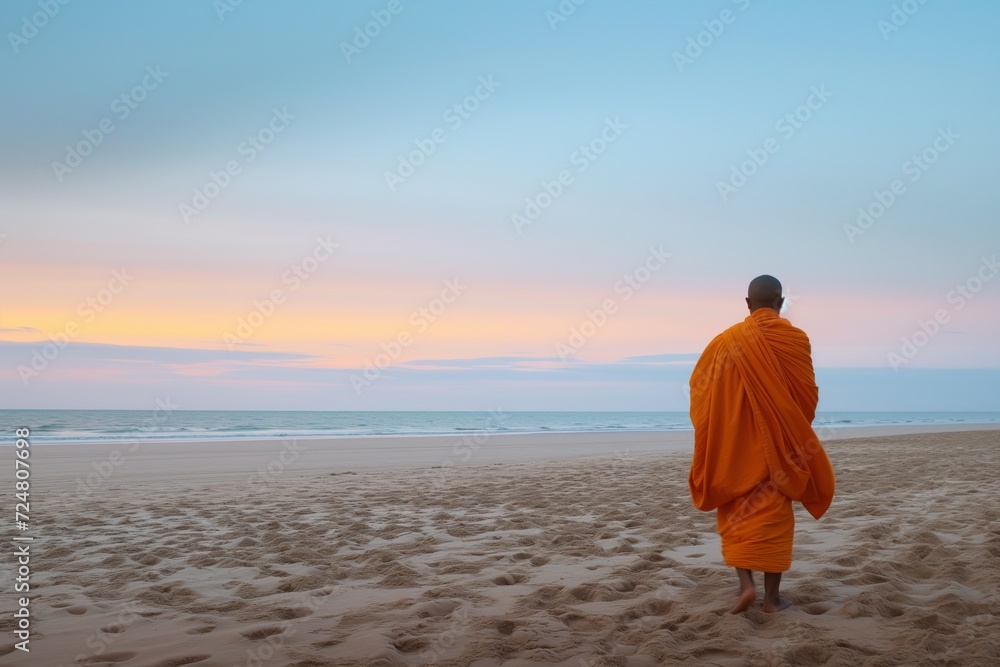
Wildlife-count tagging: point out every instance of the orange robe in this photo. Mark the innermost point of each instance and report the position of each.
(753, 399)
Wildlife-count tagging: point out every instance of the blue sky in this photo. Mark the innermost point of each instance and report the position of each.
(868, 100)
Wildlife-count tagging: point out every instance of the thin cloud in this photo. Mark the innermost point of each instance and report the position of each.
(12, 351)
(665, 358)
(482, 362)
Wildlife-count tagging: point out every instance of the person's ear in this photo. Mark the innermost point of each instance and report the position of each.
(781, 303)
(747, 299)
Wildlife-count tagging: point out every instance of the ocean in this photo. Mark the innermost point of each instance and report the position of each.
(55, 426)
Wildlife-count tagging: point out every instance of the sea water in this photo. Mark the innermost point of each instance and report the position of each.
(54, 426)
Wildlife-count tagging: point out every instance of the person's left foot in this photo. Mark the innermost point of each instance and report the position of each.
(771, 607)
(743, 602)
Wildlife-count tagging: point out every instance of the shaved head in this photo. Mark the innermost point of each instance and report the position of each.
(764, 292)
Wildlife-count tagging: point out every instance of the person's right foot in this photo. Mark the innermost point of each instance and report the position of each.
(771, 607)
(747, 598)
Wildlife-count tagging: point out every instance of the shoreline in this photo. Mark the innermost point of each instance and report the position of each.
(122, 463)
(867, 429)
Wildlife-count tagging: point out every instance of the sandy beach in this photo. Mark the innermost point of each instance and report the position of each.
(558, 549)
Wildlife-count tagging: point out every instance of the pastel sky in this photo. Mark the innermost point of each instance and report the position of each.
(247, 205)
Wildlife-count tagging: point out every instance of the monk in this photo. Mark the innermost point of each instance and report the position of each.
(753, 399)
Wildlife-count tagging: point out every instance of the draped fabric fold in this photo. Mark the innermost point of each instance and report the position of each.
(753, 399)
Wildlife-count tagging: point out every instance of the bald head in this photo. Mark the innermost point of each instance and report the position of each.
(764, 292)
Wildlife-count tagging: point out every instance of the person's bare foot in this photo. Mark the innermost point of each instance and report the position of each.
(747, 597)
(772, 599)
(771, 607)
(748, 592)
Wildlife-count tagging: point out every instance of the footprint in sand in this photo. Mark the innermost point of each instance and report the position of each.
(205, 629)
(182, 660)
(289, 613)
(435, 608)
(77, 610)
(509, 579)
(585, 622)
(507, 627)
(807, 655)
(120, 656)
(410, 644)
(818, 608)
(625, 585)
(113, 629)
(263, 633)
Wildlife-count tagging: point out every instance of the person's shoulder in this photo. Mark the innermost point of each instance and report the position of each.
(797, 333)
(720, 338)
(796, 330)
(718, 342)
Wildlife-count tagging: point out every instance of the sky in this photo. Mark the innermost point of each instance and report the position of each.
(414, 205)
